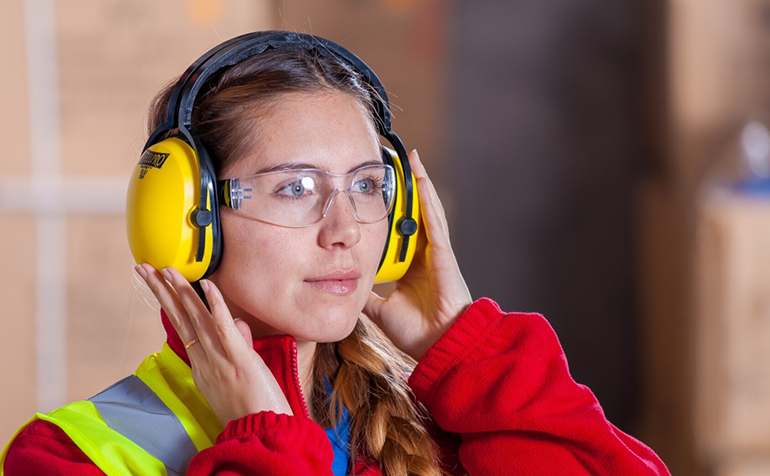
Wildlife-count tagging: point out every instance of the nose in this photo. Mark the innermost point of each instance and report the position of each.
(339, 228)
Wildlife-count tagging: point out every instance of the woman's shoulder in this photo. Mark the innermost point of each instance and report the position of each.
(42, 448)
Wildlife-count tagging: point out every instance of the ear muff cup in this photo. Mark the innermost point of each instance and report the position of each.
(163, 198)
(391, 267)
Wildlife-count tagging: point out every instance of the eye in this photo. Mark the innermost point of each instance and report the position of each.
(299, 188)
(366, 185)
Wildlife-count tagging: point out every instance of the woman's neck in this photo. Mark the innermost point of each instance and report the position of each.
(305, 358)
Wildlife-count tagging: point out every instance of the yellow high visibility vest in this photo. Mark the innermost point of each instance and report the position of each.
(150, 423)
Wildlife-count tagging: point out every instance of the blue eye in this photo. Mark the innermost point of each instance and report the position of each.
(299, 188)
(367, 185)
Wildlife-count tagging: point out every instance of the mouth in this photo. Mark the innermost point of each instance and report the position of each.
(338, 283)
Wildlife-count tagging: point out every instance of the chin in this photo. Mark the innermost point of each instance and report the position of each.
(331, 327)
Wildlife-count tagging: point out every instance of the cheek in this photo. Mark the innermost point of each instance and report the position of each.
(255, 250)
(250, 254)
(373, 239)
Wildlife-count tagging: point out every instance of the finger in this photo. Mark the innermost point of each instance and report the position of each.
(168, 300)
(421, 173)
(435, 229)
(417, 167)
(232, 338)
(245, 331)
(199, 315)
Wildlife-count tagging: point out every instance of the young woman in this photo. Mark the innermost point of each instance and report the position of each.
(294, 366)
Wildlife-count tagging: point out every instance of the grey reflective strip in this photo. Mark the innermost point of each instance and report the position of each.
(132, 409)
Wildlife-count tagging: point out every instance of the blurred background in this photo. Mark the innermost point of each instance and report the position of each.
(604, 163)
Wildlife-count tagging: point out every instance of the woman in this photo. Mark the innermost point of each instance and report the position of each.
(292, 370)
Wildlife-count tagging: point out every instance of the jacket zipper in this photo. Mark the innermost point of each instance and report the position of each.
(295, 375)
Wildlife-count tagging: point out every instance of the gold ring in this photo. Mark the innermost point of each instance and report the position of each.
(191, 343)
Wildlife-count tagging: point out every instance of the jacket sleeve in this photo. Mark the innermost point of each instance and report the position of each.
(43, 449)
(265, 443)
(500, 381)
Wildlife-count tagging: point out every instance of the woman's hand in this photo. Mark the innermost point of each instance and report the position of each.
(232, 377)
(432, 294)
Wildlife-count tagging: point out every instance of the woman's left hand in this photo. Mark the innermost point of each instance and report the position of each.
(432, 294)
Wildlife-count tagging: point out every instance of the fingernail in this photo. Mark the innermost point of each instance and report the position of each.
(237, 319)
(139, 269)
(205, 285)
(166, 274)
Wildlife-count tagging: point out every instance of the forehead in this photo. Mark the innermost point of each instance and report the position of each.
(331, 131)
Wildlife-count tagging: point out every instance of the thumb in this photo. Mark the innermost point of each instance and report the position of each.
(245, 331)
(373, 306)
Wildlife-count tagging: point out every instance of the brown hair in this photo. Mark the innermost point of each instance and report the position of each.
(365, 371)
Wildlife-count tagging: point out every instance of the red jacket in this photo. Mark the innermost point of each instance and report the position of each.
(496, 383)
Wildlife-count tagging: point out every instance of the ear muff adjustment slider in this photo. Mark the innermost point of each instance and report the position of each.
(407, 226)
(202, 218)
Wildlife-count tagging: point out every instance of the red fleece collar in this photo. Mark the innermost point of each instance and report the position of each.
(278, 351)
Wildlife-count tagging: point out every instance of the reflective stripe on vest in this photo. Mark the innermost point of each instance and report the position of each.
(130, 408)
(154, 422)
(151, 423)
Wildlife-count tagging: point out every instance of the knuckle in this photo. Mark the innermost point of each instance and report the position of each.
(173, 318)
(222, 328)
(195, 320)
(215, 301)
(196, 374)
(154, 287)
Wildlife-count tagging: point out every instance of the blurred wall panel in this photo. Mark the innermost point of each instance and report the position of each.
(64, 209)
(732, 415)
(543, 151)
(109, 329)
(17, 322)
(17, 279)
(116, 54)
(718, 79)
(14, 119)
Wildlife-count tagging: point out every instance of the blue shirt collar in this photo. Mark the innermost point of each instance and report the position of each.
(339, 437)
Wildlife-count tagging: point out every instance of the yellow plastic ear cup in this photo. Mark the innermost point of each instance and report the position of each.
(163, 193)
(391, 269)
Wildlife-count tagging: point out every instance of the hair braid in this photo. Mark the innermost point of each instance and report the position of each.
(368, 377)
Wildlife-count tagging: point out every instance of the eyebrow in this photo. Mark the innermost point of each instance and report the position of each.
(304, 165)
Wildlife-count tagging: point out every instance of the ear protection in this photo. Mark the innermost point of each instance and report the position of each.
(172, 207)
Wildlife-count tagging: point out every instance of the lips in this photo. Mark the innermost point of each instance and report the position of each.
(339, 282)
(338, 275)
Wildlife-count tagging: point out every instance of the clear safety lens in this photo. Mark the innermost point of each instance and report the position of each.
(298, 198)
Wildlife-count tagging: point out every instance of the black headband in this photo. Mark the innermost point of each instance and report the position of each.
(239, 48)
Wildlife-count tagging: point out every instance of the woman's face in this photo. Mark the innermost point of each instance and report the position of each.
(272, 276)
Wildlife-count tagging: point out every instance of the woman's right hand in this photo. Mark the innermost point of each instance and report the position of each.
(232, 377)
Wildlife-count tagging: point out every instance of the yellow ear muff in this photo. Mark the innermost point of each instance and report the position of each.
(391, 268)
(163, 193)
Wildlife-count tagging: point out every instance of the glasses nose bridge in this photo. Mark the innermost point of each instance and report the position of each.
(330, 202)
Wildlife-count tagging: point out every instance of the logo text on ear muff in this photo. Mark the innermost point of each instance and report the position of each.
(151, 159)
